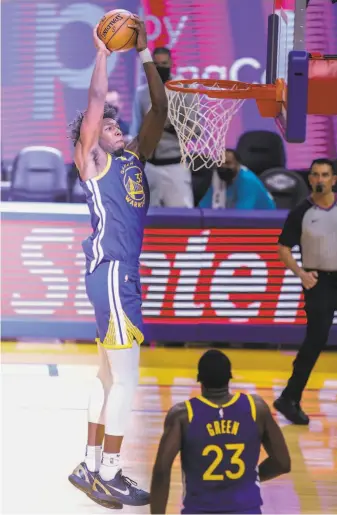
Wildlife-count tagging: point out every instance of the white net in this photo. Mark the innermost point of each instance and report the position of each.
(201, 123)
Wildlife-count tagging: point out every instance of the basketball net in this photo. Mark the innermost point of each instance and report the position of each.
(201, 123)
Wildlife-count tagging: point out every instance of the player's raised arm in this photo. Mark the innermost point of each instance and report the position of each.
(168, 449)
(278, 461)
(154, 121)
(91, 124)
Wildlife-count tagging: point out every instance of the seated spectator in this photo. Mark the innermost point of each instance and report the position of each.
(170, 182)
(235, 187)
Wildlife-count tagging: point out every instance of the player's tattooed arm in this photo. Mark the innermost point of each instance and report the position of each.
(278, 461)
(91, 124)
(154, 121)
(169, 447)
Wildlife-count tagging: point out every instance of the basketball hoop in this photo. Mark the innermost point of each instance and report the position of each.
(201, 110)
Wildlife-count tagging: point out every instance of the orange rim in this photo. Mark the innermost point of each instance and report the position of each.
(269, 97)
(226, 88)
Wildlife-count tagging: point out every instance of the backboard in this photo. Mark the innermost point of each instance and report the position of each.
(298, 83)
(288, 59)
(286, 33)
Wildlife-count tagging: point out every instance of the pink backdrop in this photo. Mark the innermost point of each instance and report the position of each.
(48, 60)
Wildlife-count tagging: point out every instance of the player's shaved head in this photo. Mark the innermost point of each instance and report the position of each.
(214, 369)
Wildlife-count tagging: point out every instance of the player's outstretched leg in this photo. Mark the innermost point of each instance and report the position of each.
(84, 474)
(110, 484)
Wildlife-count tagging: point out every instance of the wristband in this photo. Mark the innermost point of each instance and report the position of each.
(145, 56)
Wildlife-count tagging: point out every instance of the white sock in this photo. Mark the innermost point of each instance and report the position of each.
(93, 457)
(109, 466)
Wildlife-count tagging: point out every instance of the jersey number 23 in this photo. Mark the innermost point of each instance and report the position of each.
(238, 465)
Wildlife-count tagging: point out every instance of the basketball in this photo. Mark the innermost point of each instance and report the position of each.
(113, 30)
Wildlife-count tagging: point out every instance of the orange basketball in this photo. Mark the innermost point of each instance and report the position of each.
(113, 30)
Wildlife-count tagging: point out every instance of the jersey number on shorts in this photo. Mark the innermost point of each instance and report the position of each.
(219, 455)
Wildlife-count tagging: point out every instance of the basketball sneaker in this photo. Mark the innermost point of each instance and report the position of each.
(121, 489)
(82, 478)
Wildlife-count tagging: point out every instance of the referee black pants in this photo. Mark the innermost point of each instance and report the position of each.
(320, 304)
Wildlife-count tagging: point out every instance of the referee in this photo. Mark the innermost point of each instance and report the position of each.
(313, 226)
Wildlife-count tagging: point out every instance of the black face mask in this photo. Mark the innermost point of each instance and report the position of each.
(164, 72)
(226, 174)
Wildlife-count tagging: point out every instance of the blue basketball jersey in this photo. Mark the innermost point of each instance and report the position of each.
(118, 200)
(219, 456)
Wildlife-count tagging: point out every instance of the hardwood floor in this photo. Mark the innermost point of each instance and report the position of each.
(44, 426)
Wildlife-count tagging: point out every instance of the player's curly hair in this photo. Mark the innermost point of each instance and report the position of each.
(75, 126)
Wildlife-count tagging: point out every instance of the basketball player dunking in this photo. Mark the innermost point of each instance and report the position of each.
(117, 194)
(219, 436)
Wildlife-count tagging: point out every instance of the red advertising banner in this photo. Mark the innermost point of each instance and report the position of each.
(188, 275)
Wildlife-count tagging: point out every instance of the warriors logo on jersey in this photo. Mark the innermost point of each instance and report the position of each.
(133, 183)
